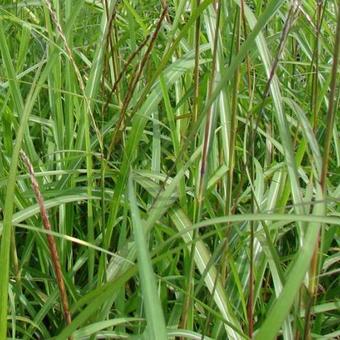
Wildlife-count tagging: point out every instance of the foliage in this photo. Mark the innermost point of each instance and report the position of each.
(188, 154)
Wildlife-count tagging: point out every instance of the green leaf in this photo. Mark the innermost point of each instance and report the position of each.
(152, 304)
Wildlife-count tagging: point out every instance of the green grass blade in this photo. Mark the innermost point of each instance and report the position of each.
(153, 308)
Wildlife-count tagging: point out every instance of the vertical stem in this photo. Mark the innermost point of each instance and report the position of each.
(316, 67)
(250, 305)
(232, 141)
(331, 107)
(197, 59)
(208, 123)
(325, 161)
(203, 166)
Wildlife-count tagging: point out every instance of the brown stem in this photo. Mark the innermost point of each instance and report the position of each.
(209, 118)
(121, 74)
(132, 85)
(51, 241)
(197, 62)
(313, 285)
(331, 107)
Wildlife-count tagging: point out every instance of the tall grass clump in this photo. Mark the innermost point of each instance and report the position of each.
(169, 169)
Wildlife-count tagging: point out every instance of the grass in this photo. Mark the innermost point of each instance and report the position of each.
(187, 154)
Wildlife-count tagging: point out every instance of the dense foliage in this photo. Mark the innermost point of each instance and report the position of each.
(187, 153)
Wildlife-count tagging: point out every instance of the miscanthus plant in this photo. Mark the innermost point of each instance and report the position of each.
(169, 169)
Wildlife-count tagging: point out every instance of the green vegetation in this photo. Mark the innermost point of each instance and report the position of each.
(187, 154)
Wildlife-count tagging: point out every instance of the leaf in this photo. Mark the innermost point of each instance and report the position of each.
(152, 304)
